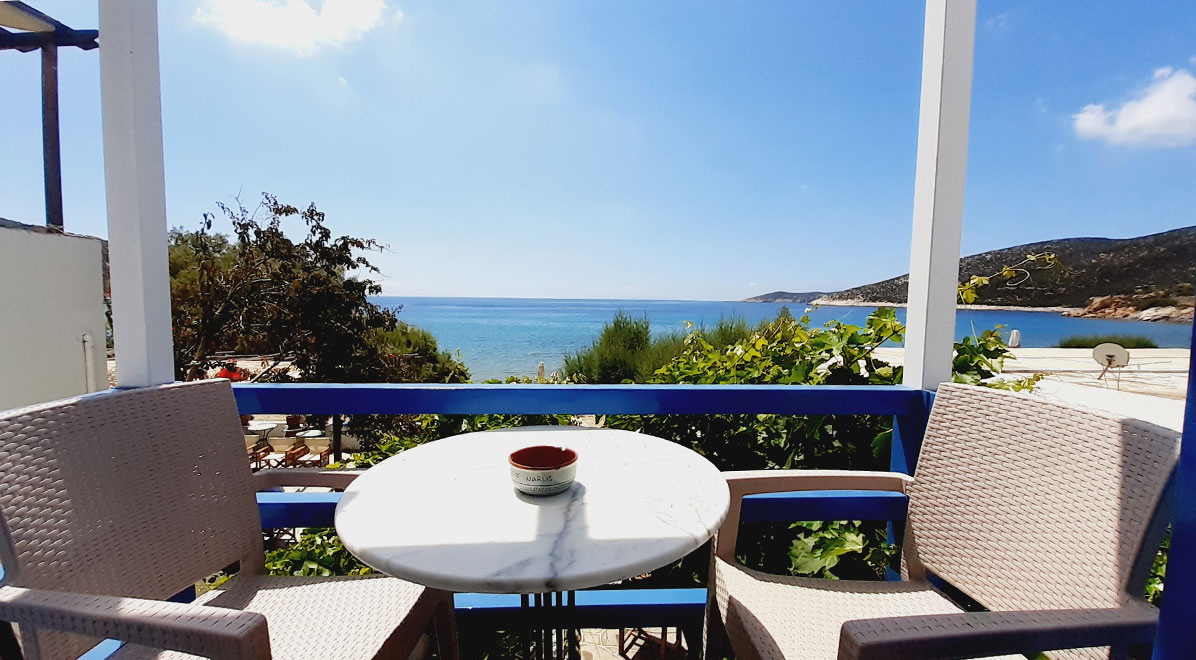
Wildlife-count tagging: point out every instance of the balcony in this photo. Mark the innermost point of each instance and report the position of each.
(135, 183)
(603, 607)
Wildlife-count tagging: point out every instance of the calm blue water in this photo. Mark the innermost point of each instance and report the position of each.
(500, 337)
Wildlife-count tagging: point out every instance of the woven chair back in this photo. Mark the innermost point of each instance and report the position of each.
(1024, 503)
(135, 493)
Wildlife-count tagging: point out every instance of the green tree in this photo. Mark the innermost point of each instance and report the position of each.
(305, 301)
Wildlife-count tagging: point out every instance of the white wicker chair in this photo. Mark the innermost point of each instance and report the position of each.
(112, 502)
(1046, 515)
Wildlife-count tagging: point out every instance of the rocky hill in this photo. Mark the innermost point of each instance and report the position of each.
(1154, 265)
(786, 297)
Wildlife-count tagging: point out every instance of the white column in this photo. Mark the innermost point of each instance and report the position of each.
(136, 186)
(938, 190)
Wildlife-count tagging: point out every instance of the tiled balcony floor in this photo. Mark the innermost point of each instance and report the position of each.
(599, 644)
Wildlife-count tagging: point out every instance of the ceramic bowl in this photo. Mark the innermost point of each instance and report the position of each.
(543, 470)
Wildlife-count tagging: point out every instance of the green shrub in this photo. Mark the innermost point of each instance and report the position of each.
(1090, 341)
(418, 355)
(626, 351)
(780, 351)
(319, 551)
(1155, 301)
(622, 351)
(1158, 572)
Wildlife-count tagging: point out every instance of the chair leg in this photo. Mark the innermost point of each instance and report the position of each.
(446, 629)
(713, 635)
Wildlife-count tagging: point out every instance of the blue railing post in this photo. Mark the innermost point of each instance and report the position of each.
(908, 430)
(1177, 636)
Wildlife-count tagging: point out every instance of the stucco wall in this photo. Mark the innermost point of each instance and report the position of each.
(51, 295)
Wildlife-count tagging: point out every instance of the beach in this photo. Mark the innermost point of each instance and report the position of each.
(501, 337)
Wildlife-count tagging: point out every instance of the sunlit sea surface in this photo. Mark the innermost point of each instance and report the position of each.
(500, 337)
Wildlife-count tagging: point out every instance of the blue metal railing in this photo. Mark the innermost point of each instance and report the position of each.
(516, 399)
(604, 607)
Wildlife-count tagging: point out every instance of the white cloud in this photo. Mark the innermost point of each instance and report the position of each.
(1161, 115)
(292, 24)
(342, 81)
(753, 285)
(998, 22)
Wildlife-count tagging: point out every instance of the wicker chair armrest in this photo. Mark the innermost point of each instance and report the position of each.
(317, 477)
(212, 632)
(753, 482)
(982, 634)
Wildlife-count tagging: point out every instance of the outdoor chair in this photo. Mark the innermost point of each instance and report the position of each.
(310, 452)
(1039, 518)
(101, 522)
(257, 450)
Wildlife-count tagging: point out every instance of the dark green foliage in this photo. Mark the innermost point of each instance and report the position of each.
(848, 550)
(1091, 267)
(621, 353)
(1090, 341)
(781, 351)
(319, 551)
(416, 350)
(259, 291)
(305, 302)
(407, 431)
(1158, 572)
(626, 351)
(1155, 301)
(786, 351)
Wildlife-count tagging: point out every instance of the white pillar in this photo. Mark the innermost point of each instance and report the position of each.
(136, 186)
(938, 190)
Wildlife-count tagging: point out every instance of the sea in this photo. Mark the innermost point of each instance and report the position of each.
(500, 337)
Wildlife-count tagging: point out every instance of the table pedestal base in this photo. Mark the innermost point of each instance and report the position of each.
(545, 638)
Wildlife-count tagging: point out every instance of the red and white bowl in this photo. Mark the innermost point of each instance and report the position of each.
(543, 469)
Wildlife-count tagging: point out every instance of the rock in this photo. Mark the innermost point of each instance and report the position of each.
(1168, 314)
(1123, 307)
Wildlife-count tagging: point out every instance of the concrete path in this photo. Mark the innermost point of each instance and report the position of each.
(1152, 387)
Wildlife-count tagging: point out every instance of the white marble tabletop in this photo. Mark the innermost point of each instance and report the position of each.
(446, 515)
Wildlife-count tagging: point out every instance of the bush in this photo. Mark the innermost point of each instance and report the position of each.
(1155, 301)
(625, 350)
(319, 551)
(622, 351)
(780, 351)
(786, 351)
(1090, 341)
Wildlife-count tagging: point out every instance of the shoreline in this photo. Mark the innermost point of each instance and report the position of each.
(1000, 308)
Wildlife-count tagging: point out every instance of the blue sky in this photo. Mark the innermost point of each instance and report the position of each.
(635, 150)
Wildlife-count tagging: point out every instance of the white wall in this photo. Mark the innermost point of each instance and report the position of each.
(51, 295)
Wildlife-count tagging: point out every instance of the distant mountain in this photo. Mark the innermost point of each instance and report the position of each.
(786, 297)
(1163, 263)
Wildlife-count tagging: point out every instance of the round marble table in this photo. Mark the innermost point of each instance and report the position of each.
(446, 515)
(262, 429)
